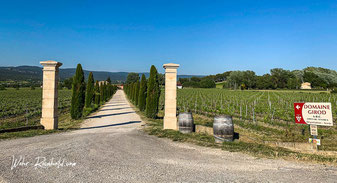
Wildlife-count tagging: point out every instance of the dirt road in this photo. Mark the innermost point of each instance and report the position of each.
(111, 147)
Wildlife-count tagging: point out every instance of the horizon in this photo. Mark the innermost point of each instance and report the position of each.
(205, 38)
(141, 72)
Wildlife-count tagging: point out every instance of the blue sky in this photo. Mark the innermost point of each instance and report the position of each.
(205, 37)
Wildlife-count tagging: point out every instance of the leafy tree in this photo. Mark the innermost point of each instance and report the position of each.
(132, 77)
(243, 86)
(293, 83)
(195, 79)
(89, 96)
(192, 84)
(68, 82)
(314, 79)
(207, 83)
(264, 82)
(153, 93)
(78, 94)
(142, 94)
(280, 77)
(183, 80)
(97, 93)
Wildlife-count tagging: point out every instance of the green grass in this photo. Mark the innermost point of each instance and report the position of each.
(256, 148)
(155, 127)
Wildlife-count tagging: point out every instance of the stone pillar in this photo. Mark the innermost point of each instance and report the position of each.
(50, 94)
(170, 118)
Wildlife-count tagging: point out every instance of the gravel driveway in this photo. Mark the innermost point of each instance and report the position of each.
(110, 147)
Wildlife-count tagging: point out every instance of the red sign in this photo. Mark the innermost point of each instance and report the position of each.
(313, 113)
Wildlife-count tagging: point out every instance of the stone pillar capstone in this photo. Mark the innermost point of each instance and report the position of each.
(50, 94)
(170, 118)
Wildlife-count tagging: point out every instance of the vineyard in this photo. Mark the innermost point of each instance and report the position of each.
(260, 116)
(23, 107)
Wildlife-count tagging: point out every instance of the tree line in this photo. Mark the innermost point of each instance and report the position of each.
(278, 78)
(87, 97)
(197, 82)
(145, 93)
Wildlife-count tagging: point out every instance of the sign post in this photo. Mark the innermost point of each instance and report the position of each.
(313, 130)
(314, 114)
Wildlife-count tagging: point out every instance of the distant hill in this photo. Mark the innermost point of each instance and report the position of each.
(34, 73)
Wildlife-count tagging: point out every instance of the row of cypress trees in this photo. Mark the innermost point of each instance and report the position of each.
(145, 94)
(87, 97)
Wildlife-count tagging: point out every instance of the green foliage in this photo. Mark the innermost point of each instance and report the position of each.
(142, 94)
(97, 93)
(2, 87)
(108, 80)
(102, 92)
(280, 77)
(89, 95)
(237, 78)
(161, 79)
(16, 106)
(207, 83)
(264, 82)
(136, 93)
(78, 94)
(153, 94)
(320, 77)
(132, 77)
(68, 82)
(334, 90)
(32, 87)
(132, 91)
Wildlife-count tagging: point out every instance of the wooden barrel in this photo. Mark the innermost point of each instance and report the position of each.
(223, 128)
(186, 123)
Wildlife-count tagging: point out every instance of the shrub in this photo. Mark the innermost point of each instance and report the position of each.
(142, 94)
(207, 83)
(78, 94)
(89, 94)
(101, 89)
(97, 93)
(136, 93)
(153, 93)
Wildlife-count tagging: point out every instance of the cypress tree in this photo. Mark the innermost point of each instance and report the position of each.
(142, 94)
(136, 93)
(97, 93)
(101, 89)
(131, 91)
(89, 95)
(78, 95)
(109, 92)
(104, 92)
(152, 98)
